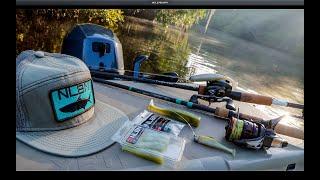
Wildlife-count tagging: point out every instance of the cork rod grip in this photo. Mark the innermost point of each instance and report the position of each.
(225, 113)
(222, 112)
(248, 117)
(201, 90)
(256, 99)
(289, 130)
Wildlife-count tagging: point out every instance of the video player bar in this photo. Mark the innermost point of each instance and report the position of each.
(160, 2)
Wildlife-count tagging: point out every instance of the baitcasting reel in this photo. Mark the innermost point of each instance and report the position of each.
(252, 135)
(216, 89)
(210, 98)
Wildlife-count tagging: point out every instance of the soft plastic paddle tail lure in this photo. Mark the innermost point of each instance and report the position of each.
(176, 114)
(212, 142)
(157, 142)
(143, 154)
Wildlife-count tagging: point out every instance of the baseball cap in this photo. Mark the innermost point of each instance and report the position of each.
(56, 111)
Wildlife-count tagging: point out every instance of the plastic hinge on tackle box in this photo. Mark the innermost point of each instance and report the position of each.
(157, 146)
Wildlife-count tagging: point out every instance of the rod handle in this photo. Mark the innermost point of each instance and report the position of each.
(202, 90)
(256, 99)
(263, 100)
(288, 130)
(226, 113)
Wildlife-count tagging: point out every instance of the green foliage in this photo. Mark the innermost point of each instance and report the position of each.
(107, 17)
(183, 18)
(111, 18)
(45, 28)
(149, 14)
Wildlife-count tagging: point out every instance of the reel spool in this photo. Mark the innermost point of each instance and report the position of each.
(216, 89)
(214, 80)
(252, 135)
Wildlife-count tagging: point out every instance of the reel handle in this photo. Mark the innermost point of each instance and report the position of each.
(279, 142)
(230, 105)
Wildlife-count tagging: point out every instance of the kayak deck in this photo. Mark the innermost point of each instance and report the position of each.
(195, 156)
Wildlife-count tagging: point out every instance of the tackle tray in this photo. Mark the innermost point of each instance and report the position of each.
(134, 136)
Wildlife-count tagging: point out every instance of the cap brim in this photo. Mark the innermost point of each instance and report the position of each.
(85, 139)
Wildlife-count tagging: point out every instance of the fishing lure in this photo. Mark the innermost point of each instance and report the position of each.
(212, 142)
(143, 154)
(155, 142)
(205, 140)
(176, 114)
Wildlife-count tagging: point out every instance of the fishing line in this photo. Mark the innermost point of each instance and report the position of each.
(194, 134)
(236, 129)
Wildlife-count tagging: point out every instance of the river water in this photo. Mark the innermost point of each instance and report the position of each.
(256, 68)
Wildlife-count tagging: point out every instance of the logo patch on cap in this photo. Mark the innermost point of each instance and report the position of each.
(71, 101)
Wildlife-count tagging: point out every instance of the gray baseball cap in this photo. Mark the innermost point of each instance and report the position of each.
(56, 111)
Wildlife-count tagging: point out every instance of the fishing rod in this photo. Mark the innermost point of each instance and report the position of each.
(103, 74)
(218, 112)
(166, 76)
(217, 89)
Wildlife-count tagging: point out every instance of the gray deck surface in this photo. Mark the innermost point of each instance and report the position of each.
(195, 156)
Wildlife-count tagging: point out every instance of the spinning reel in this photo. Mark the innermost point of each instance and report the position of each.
(252, 135)
(216, 89)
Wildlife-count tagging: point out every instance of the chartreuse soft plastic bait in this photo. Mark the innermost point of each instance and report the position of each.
(175, 114)
(143, 154)
(212, 142)
(154, 141)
